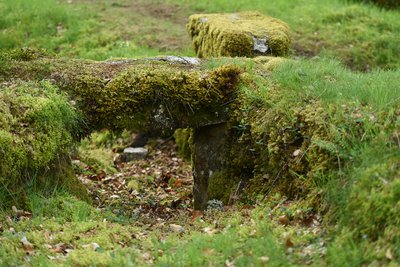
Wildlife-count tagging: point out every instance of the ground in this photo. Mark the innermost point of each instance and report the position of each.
(141, 213)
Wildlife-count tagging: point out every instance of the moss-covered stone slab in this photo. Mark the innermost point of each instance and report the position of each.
(157, 95)
(244, 34)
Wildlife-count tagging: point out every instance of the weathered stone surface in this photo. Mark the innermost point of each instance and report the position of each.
(245, 34)
(134, 153)
(140, 140)
(208, 157)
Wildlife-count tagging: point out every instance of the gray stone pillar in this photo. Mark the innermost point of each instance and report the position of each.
(208, 148)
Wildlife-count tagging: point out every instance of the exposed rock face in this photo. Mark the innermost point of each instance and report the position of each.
(140, 140)
(245, 34)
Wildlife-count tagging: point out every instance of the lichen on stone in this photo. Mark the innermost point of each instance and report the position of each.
(244, 34)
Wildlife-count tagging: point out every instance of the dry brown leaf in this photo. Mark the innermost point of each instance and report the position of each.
(283, 219)
(288, 242)
(28, 246)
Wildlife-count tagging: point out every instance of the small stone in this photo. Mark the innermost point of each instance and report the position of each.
(283, 220)
(260, 44)
(95, 246)
(297, 153)
(28, 246)
(176, 228)
(134, 153)
(215, 204)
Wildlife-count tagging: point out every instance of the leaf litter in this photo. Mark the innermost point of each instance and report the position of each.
(157, 188)
(152, 198)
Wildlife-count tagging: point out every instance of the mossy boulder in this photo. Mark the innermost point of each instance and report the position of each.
(37, 129)
(244, 34)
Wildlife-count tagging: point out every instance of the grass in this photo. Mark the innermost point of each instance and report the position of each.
(238, 237)
(361, 36)
(330, 82)
(354, 120)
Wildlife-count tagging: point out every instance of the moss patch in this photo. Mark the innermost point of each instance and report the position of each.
(38, 127)
(244, 34)
(182, 140)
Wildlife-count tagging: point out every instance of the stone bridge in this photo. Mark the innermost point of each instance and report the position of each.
(156, 95)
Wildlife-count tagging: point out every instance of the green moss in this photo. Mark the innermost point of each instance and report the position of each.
(220, 186)
(182, 140)
(376, 192)
(269, 63)
(370, 217)
(235, 35)
(38, 128)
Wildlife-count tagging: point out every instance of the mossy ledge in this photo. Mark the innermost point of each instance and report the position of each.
(157, 94)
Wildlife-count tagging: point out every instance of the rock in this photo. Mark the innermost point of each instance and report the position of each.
(215, 204)
(134, 153)
(176, 228)
(244, 34)
(140, 140)
(208, 155)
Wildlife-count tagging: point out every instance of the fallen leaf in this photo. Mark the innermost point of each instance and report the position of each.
(283, 220)
(289, 242)
(209, 230)
(28, 246)
(208, 251)
(59, 248)
(178, 183)
(196, 214)
(389, 254)
(229, 263)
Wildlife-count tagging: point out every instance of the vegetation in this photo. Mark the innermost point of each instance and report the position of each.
(313, 140)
